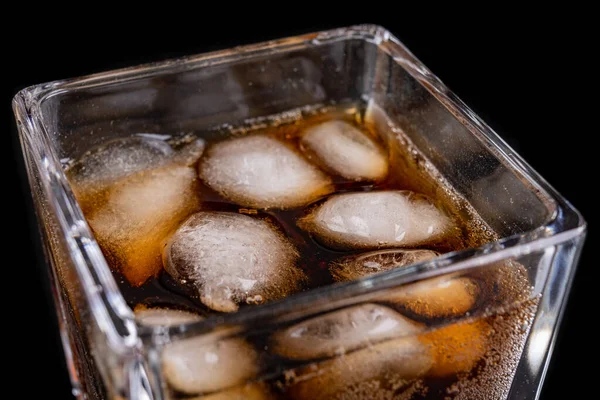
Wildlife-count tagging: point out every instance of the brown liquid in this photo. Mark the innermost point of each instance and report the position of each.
(163, 290)
(408, 171)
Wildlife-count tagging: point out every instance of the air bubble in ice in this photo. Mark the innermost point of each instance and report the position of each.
(355, 267)
(345, 151)
(232, 258)
(377, 219)
(259, 171)
(342, 331)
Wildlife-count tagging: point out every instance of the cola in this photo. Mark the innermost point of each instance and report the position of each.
(211, 223)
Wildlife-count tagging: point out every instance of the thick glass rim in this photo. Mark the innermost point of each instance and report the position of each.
(116, 319)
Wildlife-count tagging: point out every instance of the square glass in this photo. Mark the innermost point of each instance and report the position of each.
(110, 355)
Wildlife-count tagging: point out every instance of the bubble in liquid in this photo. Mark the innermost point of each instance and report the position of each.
(457, 347)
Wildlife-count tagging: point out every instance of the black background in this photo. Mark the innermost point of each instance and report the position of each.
(512, 73)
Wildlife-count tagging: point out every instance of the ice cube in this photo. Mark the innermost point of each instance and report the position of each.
(189, 152)
(457, 347)
(232, 258)
(378, 372)
(260, 171)
(204, 365)
(250, 391)
(201, 365)
(440, 297)
(133, 192)
(345, 150)
(354, 267)
(132, 218)
(118, 158)
(342, 331)
(377, 219)
(110, 162)
(164, 316)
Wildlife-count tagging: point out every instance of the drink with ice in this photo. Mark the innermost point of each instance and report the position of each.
(197, 226)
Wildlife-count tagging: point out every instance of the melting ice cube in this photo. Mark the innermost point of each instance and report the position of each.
(233, 258)
(164, 316)
(354, 267)
(138, 213)
(259, 171)
(342, 331)
(377, 219)
(440, 297)
(133, 192)
(118, 158)
(381, 371)
(346, 151)
(202, 365)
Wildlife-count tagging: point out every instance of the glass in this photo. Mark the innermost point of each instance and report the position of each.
(112, 356)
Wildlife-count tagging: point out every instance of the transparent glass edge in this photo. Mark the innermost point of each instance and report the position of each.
(367, 32)
(30, 99)
(101, 293)
(60, 307)
(400, 54)
(543, 333)
(330, 297)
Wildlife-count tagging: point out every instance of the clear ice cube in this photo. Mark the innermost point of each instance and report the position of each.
(134, 192)
(346, 151)
(118, 158)
(342, 331)
(204, 365)
(233, 258)
(138, 214)
(262, 172)
(365, 264)
(377, 219)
